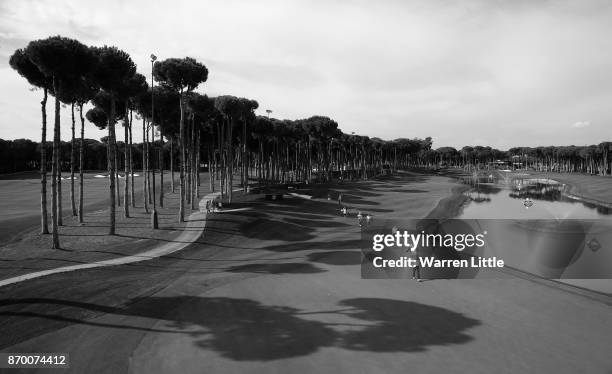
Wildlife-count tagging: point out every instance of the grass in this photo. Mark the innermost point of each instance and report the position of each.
(27, 251)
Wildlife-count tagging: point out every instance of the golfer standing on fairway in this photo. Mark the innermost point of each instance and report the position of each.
(416, 269)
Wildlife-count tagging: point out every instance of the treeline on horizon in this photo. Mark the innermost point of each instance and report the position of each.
(24, 155)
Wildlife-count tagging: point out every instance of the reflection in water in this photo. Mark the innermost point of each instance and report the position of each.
(547, 199)
(482, 187)
(554, 236)
(538, 191)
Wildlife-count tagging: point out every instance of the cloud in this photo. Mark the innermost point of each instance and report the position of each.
(581, 124)
(507, 71)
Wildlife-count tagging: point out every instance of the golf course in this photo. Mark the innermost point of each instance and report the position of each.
(276, 287)
(305, 186)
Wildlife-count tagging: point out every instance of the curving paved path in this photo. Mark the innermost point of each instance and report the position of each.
(192, 231)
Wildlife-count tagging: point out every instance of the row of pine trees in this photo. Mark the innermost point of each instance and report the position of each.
(223, 130)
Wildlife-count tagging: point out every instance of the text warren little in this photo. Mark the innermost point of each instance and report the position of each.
(432, 262)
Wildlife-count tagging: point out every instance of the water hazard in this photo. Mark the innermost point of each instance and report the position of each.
(538, 227)
(498, 195)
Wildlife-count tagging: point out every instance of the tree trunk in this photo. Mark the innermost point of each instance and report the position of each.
(197, 162)
(231, 162)
(161, 170)
(145, 171)
(54, 164)
(309, 177)
(111, 172)
(189, 168)
(44, 226)
(182, 167)
(198, 165)
(131, 166)
(194, 168)
(126, 166)
(81, 162)
(60, 219)
(172, 164)
(117, 166)
(148, 152)
(152, 155)
(72, 161)
(221, 167)
(245, 171)
(211, 184)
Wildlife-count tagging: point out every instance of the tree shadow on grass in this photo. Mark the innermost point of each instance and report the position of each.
(315, 223)
(280, 268)
(266, 229)
(356, 200)
(336, 257)
(315, 245)
(400, 190)
(404, 326)
(246, 330)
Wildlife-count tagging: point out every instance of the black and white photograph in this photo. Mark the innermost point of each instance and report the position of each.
(306, 186)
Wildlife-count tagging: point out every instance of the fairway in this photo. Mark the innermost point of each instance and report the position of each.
(20, 198)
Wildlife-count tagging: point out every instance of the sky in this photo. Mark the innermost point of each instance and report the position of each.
(471, 72)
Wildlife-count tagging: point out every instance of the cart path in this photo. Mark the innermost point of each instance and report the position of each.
(192, 231)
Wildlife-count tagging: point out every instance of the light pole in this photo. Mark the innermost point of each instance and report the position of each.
(154, 220)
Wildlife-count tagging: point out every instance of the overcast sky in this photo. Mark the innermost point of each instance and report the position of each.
(489, 72)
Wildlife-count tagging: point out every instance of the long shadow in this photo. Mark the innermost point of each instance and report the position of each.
(246, 330)
(21, 175)
(297, 214)
(280, 268)
(315, 223)
(262, 229)
(358, 201)
(407, 190)
(154, 239)
(336, 257)
(319, 245)
(404, 326)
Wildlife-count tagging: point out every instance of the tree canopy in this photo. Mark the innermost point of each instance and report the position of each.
(113, 69)
(180, 73)
(20, 61)
(60, 58)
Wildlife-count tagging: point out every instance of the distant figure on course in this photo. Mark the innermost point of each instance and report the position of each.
(344, 211)
(359, 218)
(416, 269)
(368, 219)
(340, 199)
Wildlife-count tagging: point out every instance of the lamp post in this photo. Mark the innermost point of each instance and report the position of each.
(154, 219)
